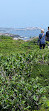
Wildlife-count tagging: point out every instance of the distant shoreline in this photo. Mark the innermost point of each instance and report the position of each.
(16, 37)
(21, 33)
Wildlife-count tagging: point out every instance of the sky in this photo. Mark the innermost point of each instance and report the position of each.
(24, 13)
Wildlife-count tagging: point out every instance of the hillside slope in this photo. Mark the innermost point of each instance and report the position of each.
(24, 75)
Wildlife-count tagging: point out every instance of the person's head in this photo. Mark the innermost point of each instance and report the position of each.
(42, 30)
(48, 28)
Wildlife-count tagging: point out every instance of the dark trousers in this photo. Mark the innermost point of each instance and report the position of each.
(42, 46)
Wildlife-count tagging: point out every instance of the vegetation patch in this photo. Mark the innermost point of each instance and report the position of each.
(24, 75)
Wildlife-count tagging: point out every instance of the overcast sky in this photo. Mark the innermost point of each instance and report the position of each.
(24, 13)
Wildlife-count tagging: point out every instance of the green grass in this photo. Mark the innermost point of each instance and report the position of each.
(10, 46)
(24, 75)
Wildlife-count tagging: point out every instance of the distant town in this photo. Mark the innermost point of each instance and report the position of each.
(27, 28)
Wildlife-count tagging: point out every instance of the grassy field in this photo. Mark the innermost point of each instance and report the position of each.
(24, 75)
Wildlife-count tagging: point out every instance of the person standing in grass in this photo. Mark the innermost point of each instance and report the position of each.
(42, 39)
(47, 35)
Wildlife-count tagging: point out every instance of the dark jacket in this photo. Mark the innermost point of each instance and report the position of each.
(47, 36)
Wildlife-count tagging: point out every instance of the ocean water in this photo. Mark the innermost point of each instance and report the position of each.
(24, 34)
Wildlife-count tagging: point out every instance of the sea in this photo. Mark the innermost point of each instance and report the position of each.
(24, 34)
